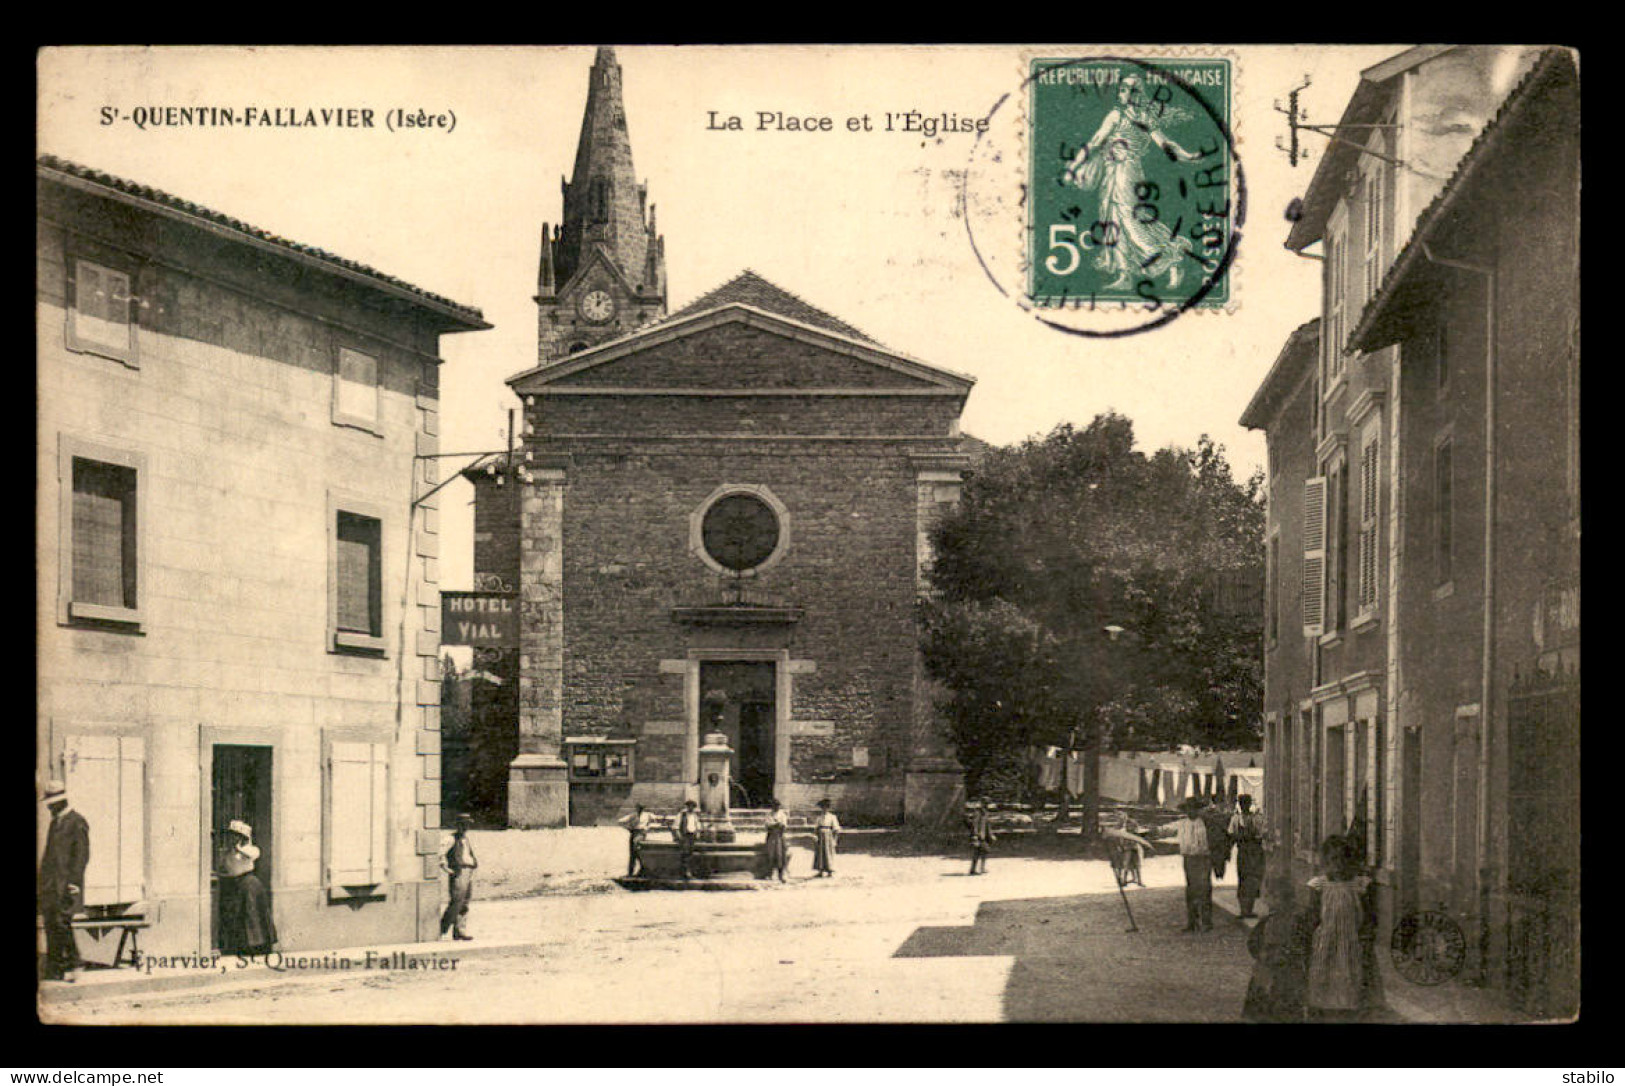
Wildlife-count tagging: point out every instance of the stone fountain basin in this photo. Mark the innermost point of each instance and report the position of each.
(712, 859)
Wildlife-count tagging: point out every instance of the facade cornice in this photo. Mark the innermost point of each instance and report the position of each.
(535, 379)
(1369, 400)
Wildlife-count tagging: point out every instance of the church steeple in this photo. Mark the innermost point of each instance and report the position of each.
(606, 212)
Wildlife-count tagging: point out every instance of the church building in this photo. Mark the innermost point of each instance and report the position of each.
(721, 526)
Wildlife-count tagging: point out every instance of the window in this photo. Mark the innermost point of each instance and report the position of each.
(106, 778)
(101, 554)
(1443, 510)
(1337, 488)
(1370, 487)
(1337, 258)
(356, 578)
(1272, 609)
(99, 316)
(1314, 555)
(739, 530)
(1373, 231)
(355, 390)
(357, 817)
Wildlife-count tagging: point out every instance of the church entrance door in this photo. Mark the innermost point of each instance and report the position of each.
(739, 701)
(756, 751)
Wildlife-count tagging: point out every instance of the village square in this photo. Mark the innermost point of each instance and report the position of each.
(727, 669)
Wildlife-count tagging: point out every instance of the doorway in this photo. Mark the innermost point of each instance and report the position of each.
(738, 699)
(241, 790)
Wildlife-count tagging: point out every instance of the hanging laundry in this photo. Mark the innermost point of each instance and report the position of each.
(1049, 772)
(1074, 773)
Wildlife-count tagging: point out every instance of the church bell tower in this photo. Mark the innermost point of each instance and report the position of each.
(603, 269)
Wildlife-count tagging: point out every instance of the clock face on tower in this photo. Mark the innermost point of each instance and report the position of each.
(597, 306)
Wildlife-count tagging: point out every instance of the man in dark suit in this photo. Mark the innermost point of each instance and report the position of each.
(61, 881)
(459, 863)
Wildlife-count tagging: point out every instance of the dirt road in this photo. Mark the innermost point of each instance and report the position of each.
(891, 938)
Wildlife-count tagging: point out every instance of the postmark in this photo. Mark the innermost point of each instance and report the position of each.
(1131, 196)
(1427, 948)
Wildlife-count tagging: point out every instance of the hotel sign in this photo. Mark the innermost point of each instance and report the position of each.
(488, 620)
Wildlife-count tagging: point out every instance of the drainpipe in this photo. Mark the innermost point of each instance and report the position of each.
(1487, 677)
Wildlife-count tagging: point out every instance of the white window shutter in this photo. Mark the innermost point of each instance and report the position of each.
(358, 806)
(1368, 526)
(350, 815)
(379, 824)
(132, 837)
(104, 775)
(1314, 555)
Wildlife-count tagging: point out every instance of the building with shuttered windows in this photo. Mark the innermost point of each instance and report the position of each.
(237, 612)
(1422, 676)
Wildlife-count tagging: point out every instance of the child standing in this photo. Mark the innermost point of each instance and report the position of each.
(778, 854)
(827, 830)
(1335, 970)
(1280, 945)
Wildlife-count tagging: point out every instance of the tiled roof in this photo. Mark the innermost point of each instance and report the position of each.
(975, 447)
(1553, 63)
(197, 211)
(748, 288)
(1298, 351)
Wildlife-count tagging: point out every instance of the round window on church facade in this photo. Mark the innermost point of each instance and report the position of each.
(740, 532)
(739, 529)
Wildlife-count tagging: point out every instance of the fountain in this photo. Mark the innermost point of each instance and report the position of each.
(718, 853)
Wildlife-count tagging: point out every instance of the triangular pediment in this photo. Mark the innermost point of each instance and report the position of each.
(739, 348)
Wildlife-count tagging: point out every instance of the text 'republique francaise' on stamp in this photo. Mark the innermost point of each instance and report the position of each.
(1107, 196)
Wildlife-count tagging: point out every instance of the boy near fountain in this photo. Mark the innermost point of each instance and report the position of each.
(687, 831)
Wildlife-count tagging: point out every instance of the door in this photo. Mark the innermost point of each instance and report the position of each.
(756, 751)
(241, 791)
(738, 699)
(1333, 818)
(1410, 818)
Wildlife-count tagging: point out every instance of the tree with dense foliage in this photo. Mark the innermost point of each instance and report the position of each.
(1085, 592)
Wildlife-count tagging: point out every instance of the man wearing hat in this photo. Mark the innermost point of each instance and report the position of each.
(637, 832)
(61, 881)
(981, 835)
(459, 864)
(687, 831)
(1193, 851)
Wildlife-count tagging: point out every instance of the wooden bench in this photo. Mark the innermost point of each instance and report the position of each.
(129, 928)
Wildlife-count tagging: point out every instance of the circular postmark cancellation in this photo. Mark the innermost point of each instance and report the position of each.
(1427, 948)
(1106, 197)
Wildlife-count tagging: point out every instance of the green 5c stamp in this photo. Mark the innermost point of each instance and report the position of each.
(1136, 198)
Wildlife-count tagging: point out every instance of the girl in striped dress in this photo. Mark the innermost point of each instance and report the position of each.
(1335, 970)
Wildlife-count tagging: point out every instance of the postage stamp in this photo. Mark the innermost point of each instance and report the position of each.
(1133, 184)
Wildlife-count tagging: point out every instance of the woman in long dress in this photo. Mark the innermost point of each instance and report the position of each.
(246, 925)
(1111, 166)
(1335, 967)
(827, 831)
(778, 855)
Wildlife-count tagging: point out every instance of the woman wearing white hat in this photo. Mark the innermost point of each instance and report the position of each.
(246, 926)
